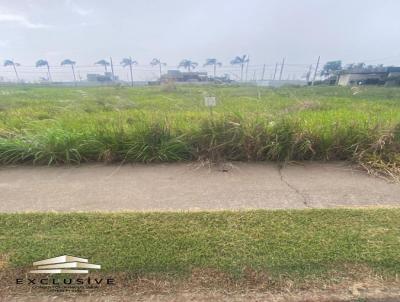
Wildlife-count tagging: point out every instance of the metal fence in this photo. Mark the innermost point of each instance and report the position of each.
(145, 73)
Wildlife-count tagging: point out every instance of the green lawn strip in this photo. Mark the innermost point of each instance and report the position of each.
(282, 243)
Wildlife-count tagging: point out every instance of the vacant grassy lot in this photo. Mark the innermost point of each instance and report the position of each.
(282, 244)
(73, 125)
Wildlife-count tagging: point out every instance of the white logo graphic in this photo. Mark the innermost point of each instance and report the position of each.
(63, 265)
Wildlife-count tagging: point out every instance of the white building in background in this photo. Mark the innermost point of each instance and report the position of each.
(389, 76)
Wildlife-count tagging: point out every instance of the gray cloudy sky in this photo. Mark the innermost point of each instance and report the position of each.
(267, 30)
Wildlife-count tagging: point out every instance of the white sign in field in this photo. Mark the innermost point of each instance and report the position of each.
(210, 101)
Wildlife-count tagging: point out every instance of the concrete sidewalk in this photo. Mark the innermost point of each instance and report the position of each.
(191, 187)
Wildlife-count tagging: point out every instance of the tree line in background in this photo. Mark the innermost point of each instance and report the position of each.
(187, 64)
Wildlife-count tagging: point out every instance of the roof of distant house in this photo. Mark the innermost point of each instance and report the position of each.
(372, 70)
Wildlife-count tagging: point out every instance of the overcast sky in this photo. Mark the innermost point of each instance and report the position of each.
(267, 30)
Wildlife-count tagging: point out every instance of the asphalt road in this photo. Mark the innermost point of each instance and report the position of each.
(171, 187)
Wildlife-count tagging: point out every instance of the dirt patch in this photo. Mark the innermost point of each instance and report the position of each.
(211, 285)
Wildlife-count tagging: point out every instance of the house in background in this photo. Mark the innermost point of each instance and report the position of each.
(389, 76)
(178, 76)
(393, 78)
(101, 78)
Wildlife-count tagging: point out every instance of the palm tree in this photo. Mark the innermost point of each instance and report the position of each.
(103, 63)
(158, 62)
(72, 63)
(213, 62)
(187, 64)
(129, 62)
(240, 61)
(13, 64)
(41, 63)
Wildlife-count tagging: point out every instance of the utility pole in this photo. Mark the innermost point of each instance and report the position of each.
(247, 67)
(309, 74)
(263, 73)
(315, 72)
(112, 69)
(73, 72)
(276, 69)
(283, 65)
(130, 68)
(48, 71)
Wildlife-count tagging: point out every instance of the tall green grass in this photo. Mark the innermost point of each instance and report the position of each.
(67, 125)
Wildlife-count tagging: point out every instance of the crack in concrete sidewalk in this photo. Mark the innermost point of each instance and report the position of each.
(293, 188)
